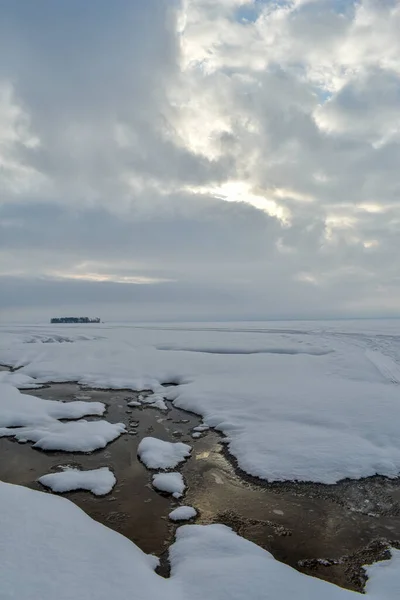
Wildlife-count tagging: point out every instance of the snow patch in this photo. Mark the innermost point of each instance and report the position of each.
(157, 454)
(183, 513)
(20, 410)
(201, 428)
(76, 436)
(19, 380)
(98, 481)
(155, 401)
(171, 483)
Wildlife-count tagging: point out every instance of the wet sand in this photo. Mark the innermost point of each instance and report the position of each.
(325, 531)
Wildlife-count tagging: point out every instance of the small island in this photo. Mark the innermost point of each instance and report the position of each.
(75, 320)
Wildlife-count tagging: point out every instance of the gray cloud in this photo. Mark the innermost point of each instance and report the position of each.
(236, 161)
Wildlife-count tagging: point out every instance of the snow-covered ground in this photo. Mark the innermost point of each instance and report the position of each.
(98, 481)
(49, 548)
(157, 454)
(307, 401)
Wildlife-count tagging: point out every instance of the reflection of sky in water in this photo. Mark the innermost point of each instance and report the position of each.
(202, 455)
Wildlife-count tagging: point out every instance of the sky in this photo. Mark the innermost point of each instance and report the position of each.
(199, 159)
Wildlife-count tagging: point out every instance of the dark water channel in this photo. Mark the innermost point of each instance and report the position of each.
(325, 531)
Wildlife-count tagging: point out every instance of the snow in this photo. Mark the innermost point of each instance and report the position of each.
(183, 513)
(75, 436)
(19, 380)
(98, 481)
(296, 401)
(171, 483)
(384, 578)
(28, 418)
(213, 562)
(19, 410)
(201, 428)
(49, 548)
(157, 454)
(160, 404)
(155, 401)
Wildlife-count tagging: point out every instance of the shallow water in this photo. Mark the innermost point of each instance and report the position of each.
(298, 523)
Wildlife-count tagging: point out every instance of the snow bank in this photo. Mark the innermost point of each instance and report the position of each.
(49, 548)
(20, 410)
(157, 454)
(297, 401)
(183, 513)
(213, 562)
(171, 483)
(384, 578)
(77, 436)
(98, 481)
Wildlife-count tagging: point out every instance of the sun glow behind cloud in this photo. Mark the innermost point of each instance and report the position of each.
(242, 191)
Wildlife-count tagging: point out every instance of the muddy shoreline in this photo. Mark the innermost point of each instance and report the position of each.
(328, 531)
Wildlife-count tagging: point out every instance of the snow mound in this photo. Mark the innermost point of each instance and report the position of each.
(183, 513)
(21, 410)
(213, 562)
(157, 454)
(49, 548)
(77, 436)
(18, 380)
(171, 483)
(98, 481)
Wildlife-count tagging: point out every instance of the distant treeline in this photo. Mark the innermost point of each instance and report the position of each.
(75, 320)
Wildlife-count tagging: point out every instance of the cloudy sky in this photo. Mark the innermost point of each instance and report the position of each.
(199, 159)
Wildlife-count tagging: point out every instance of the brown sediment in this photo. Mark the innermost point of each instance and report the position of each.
(328, 531)
(133, 508)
